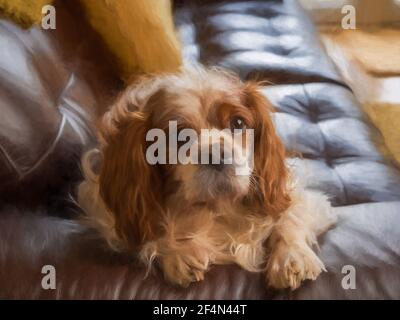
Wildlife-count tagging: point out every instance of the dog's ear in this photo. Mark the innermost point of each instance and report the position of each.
(129, 186)
(269, 156)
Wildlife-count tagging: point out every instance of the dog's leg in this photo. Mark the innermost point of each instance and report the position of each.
(186, 250)
(291, 258)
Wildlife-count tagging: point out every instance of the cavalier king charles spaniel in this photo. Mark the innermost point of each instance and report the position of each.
(186, 216)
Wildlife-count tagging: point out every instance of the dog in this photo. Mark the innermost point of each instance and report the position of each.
(185, 217)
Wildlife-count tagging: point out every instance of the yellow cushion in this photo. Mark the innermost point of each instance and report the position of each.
(140, 34)
(23, 12)
(386, 117)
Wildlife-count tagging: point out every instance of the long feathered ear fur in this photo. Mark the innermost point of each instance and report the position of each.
(128, 184)
(269, 156)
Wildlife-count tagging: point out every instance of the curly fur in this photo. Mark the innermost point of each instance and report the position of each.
(269, 221)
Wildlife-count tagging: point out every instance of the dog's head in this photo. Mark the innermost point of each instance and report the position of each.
(201, 135)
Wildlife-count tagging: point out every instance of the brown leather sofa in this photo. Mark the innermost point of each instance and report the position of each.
(54, 84)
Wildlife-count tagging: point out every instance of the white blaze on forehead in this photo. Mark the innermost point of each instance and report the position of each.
(188, 105)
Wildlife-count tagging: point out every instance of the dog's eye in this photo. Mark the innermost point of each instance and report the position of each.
(237, 123)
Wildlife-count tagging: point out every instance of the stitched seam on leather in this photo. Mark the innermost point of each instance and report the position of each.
(49, 150)
(63, 120)
(9, 161)
(325, 146)
(59, 133)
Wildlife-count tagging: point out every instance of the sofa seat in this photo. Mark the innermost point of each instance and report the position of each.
(367, 238)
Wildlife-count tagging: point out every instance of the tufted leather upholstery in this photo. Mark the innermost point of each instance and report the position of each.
(341, 153)
(265, 40)
(54, 83)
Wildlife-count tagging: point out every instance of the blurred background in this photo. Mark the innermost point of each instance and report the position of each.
(368, 57)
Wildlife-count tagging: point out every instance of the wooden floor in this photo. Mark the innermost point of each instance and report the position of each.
(379, 97)
(367, 87)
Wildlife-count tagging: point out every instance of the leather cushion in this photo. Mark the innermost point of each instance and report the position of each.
(263, 40)
(47, 106)
(86, 269)
(341, 153)
(366, 238)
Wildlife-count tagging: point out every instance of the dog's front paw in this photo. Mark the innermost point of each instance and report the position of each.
(185, 264)
(289, 265)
